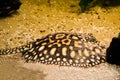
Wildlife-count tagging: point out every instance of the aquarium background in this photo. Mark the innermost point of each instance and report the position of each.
(37, 18)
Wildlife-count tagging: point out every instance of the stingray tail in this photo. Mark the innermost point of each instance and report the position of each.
(14, 50)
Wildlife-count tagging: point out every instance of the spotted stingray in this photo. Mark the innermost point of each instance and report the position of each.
(64, 49)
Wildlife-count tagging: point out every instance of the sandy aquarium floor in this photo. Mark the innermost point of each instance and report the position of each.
(37, 18)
